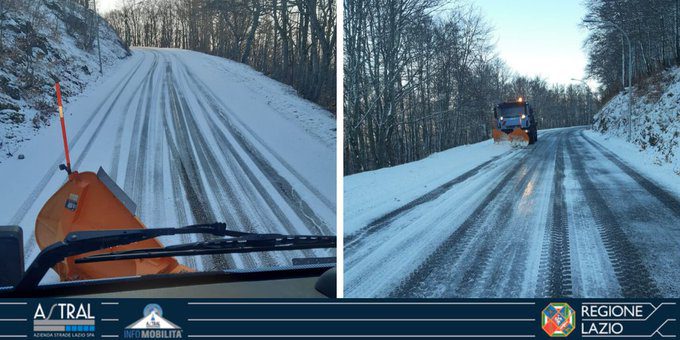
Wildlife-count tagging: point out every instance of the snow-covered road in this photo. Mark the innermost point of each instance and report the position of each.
(191, 138)
(563, 217)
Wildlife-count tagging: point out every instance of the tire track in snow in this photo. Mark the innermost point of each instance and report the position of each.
(254, 189)
(83, 154)
(115, 161)
(189, 174)
(250, 219)
(481, 258)
(665, 197)
(649, 223)
(246, 82)
(39, 188)
(632, 274)
(530, 219)
(31, 244)
(250, 178)
(95, 134)
(513, 266)
(214, 172)
(135, 172)
(372, 267)
(388, 218)
(589, 243)
(173, 173)
(592, 273)
(416, 233)
(453, 247)
(501, 268)
(285, 189)
(555, 268)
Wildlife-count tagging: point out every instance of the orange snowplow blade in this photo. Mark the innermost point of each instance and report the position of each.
(499, 136)
(88, 201)
(516, 137)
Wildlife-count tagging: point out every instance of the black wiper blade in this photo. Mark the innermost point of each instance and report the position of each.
(245, 244)
(100, 239)
(81, 242)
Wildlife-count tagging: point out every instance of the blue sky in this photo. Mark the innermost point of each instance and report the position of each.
(539, 37)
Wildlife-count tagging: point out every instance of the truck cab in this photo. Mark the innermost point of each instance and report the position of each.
(514, 115)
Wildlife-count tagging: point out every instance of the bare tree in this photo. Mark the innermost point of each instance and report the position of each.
(291, 40)
(418, 83)
(654, 31)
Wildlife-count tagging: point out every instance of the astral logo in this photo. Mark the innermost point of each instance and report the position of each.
(153, 326)
(558, 320)
(64, 320)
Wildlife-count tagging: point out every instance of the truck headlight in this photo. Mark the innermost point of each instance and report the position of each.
(524, 116)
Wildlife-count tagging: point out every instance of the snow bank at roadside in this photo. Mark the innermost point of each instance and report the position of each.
(372, 194)
(656, 121)
(642, 161)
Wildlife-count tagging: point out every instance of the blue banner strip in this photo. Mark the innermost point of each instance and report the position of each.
(377, 318)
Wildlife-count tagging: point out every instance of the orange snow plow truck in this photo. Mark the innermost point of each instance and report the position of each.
(514, 122)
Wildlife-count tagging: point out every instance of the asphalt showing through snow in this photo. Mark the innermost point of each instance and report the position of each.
(563, 217)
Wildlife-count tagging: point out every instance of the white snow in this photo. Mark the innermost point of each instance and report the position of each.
(493, 234)
(643, 161)
(595, 277)
(371, 194)
(76, 68)
(118, 123)
(655, 130)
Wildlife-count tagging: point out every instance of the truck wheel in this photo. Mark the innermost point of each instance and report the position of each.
(533, 136)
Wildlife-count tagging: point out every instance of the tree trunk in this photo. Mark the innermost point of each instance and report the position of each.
(251, 35)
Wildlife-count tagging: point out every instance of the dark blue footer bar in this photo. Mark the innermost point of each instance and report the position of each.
(200, 319)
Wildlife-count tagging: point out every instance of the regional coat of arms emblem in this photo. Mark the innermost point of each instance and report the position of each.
(558, 319)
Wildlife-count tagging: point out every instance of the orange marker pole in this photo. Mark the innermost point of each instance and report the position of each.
(63, 127)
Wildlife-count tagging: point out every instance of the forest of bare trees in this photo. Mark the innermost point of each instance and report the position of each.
(654, 31)
(293, 41)
(419, 80)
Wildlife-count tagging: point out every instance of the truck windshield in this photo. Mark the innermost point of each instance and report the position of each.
(511, 111)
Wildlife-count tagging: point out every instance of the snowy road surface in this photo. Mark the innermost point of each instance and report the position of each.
(191, 138)
(564, 217)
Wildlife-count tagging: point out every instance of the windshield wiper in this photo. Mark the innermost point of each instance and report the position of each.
(244, 244)
(81, 242)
